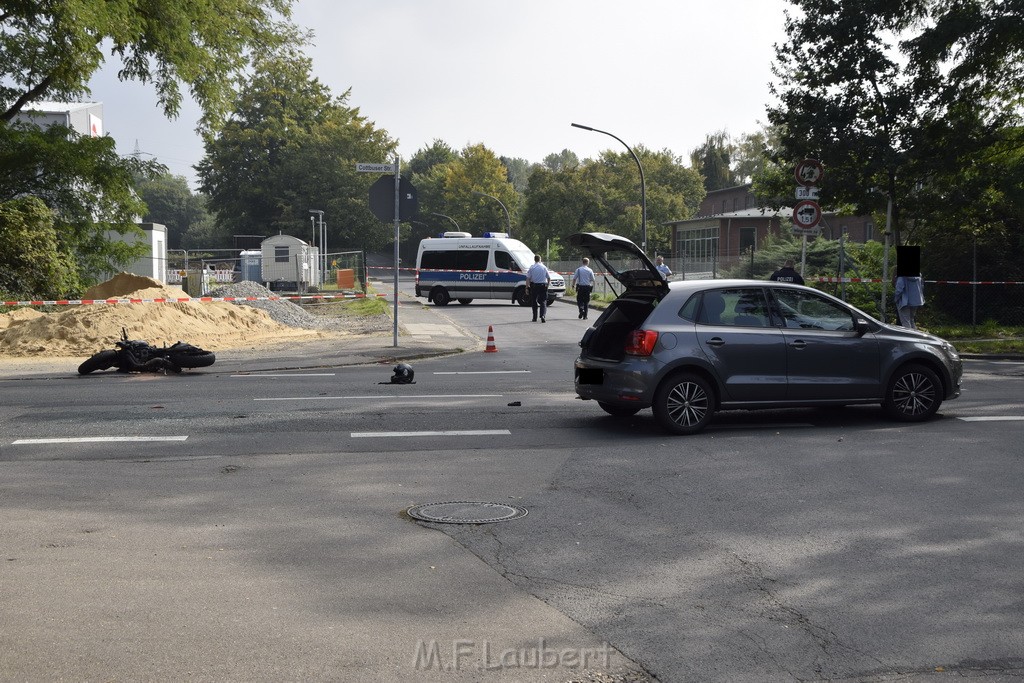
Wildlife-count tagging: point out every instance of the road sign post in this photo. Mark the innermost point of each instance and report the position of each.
(807, 212)
(388, 206)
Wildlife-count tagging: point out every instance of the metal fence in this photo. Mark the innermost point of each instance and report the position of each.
(947, 302)
(345, 270)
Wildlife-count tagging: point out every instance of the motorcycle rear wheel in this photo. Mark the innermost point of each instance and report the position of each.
(196, 358)
(98, 361)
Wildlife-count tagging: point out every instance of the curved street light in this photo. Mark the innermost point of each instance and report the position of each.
(434, 213)
(643, 186)
(507, 217)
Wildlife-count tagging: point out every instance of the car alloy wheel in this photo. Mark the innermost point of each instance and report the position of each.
(914, 394)
(684, 403)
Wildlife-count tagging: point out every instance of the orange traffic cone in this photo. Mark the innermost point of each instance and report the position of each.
(491, 348)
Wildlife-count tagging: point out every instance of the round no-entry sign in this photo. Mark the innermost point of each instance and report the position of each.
(806, 214)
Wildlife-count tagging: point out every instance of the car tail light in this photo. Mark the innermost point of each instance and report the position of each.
(641, 342)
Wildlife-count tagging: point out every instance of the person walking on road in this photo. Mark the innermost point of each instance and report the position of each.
(537, 279)
(787, 274)
(662, 268)
(583, 280)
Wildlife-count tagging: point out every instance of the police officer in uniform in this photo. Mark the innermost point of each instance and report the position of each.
(537, 279)
(787, 274)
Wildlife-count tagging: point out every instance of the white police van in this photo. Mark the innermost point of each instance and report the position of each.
(458, 266)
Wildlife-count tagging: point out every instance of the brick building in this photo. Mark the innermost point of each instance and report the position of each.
(729, 223)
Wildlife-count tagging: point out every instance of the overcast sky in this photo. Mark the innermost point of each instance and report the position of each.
(512, 75)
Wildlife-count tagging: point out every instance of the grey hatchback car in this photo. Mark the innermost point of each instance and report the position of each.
(688, 349)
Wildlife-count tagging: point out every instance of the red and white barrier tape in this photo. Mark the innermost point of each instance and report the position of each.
(186, 300)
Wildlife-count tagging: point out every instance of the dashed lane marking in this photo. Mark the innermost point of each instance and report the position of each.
(470, 432)
(288, 374)
(484, 372)
(97, 439)
(993, 418)
(414, 397)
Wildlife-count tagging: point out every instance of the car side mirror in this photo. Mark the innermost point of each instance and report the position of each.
(862, 326)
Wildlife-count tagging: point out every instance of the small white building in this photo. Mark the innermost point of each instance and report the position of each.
(289, 263)
(154, 262)
(85, 118)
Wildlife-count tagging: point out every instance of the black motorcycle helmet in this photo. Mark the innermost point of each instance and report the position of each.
(403, 374)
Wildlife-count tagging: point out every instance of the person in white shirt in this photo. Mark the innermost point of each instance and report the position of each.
(537, 279)
(662, 268)
(583, 279)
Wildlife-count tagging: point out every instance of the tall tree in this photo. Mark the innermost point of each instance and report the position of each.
(750, 152)
(712, 161)
(894, 96)
(50, 50)
(518, 171)
(561, 161)
(290, 147)
(604, 195)
(170, 202)
(85, 184)
(33, 262)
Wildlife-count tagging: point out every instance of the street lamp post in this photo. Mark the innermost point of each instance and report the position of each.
(643, 186)
(507, 217)
(454, 222)
(323, 245)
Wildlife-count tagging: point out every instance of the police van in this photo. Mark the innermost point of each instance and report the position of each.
(458, 266)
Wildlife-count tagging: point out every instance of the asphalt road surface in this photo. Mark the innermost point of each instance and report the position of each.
(252, 527)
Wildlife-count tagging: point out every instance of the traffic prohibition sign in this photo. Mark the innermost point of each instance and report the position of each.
(806, 214)
(809, 172)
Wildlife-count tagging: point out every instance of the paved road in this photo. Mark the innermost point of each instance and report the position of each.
(270, 543)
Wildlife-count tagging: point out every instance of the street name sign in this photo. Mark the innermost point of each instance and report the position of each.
(375, 168)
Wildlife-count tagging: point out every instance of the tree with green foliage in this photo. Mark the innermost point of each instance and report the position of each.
(712, 160)
(899, 100)
(50, 50)
(170, 202)
(750, 153)
(424, 159)
(289, 147)
(33, 263)
(451, 189)
(86, 185)
(561, 161)
(603, 195)
(518, 171)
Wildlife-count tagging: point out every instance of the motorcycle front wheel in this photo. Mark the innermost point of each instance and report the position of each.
(98, 361)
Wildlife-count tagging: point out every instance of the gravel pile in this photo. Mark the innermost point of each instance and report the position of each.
(285, 312)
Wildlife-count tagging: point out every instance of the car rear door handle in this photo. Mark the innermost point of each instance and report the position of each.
(799, 344)
(715, 341)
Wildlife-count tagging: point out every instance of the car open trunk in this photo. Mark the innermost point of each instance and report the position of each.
(643, 288)
(607, 339)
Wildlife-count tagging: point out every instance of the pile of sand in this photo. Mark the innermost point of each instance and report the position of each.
(86, 329)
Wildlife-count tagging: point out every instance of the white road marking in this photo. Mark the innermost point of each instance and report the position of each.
(377, 398)
(306, 374)
(993, 418)
(471, 432)
(99, 439)
(484, 372)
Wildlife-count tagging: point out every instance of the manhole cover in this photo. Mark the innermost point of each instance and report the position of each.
(466, 512)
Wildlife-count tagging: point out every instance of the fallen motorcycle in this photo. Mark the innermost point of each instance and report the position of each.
(140, 356)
